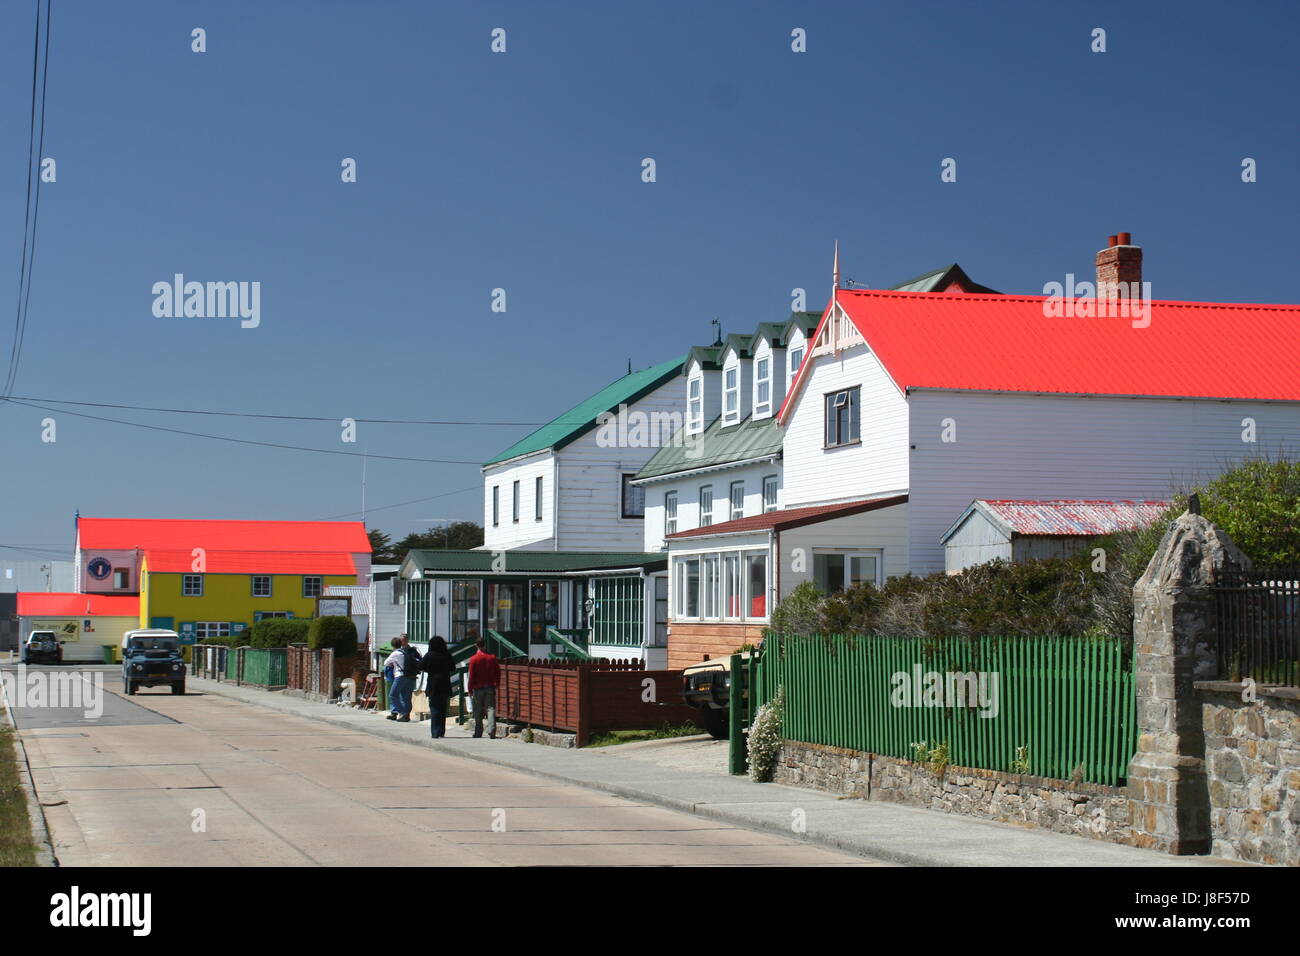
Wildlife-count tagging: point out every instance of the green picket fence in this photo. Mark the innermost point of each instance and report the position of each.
(1068, 701)
(263, 667)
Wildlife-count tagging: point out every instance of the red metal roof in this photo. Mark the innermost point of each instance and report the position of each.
(1007, 343)
(251, 562)
(1071, 516)
(791, 517)
(219, 535)
(69, 604)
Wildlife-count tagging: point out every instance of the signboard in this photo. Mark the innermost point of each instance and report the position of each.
(67, 630)
(331, 605)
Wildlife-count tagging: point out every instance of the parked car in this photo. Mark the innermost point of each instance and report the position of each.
(43, 646)
(152, 656)
(707, 687)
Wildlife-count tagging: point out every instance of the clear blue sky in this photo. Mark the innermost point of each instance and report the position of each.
(522, 171)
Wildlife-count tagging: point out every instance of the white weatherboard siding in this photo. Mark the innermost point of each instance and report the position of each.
(688, 498)
(875, 468)
(977, 541)
(1029, 446)
(590, 477)
(884, 530)
(528, 531)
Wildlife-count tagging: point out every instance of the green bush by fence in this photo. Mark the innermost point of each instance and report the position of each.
(334, 633)
(1063, 704)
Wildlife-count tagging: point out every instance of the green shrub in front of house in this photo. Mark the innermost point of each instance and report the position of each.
(336, 633)
(277, 632)
(1257, 504)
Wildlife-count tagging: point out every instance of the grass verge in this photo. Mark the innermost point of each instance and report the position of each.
(613, 738)
(16, 845)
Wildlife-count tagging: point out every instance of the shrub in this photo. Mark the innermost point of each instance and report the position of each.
(337, 633)
(765, 738)
(277, 632)
(800, 612)
(1258, 504)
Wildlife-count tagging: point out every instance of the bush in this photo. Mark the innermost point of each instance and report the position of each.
(277, 632)
(337, 633)
(1258, 504)
(800, 612)
(765, 738)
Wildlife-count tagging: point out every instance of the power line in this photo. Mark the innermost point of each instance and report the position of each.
(445, 494)
(244, 441)
(31, 211)
(298, 418)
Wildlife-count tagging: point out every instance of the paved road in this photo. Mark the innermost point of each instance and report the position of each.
(203, 780)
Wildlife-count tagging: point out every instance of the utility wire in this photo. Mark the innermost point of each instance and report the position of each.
(445, 494)
(298, 418)
(244, 441)
(31, 211)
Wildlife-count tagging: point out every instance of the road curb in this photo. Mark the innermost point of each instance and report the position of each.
(40, 831)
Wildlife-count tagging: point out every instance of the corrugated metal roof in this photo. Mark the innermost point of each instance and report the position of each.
(580, 419)
(129, 533)
(791, 517)
(480, 562)
(72, 604)
(716, 446)
(1070, 517)
(360, 596)
(251, 562)
(1008, 343)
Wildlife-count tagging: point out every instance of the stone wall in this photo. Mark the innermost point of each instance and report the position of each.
(1061, 806)
(1253, 750)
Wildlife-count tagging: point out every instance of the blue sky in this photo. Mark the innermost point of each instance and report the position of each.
(523, 171)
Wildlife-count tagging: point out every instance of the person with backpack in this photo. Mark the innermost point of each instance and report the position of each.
(405, 661)
(437, 665)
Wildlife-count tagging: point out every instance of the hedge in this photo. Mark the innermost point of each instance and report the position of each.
(339, 633)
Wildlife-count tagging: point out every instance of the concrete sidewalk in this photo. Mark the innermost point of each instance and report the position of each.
(881, 831)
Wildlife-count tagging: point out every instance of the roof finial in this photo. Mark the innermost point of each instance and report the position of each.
(717, 331)
(629, 366)
(835, 275)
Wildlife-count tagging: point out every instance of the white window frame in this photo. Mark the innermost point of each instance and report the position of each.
(496, 506)
(320, 589)
(206, 629)
(731, 395)
(514, 502)
(253, 585)
(762, 406)
(771, 481)
(706, 513)
(722, 578)
(832, 402)
(188, 585)
(877, 553)
(796, 360)
(670, 512)
(695, 403)
(736, 509)
(538, 485)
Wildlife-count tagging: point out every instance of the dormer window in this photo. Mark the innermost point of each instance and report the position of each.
(731, 394)
(695, 404)
(796, 359)
(762, 387)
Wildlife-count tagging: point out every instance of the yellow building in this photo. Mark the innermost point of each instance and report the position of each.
(207, 579)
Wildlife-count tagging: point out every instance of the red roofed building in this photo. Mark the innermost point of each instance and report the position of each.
(211, 578)
(84, 623)
(950, 398)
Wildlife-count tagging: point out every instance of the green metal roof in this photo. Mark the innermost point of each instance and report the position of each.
(709, 356)
(717, 446)
(743, 345)
(581, 419)
(773, 331)
(432, 561)
(939, 278)
(805, 321)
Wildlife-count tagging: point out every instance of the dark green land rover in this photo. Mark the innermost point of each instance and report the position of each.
(150, 657)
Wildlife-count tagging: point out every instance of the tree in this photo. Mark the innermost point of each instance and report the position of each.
(381, 547)
(457, 536)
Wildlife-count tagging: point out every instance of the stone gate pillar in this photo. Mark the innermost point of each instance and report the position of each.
(1175, 644)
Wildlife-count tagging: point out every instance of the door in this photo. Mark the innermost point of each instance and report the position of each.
(507, 610)
(543, 609)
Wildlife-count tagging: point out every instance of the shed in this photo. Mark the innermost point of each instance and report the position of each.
(1021, 529)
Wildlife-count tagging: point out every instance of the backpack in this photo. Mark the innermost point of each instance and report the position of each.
(410, 661)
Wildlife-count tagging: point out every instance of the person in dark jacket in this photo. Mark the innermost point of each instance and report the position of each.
(437, 664)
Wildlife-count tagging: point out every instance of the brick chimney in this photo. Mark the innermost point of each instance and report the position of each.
(1119, 262)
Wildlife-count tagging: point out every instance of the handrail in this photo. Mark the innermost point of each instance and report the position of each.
(515, 651)
(572, 649)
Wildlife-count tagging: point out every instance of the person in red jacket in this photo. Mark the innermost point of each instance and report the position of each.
(484, 675)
